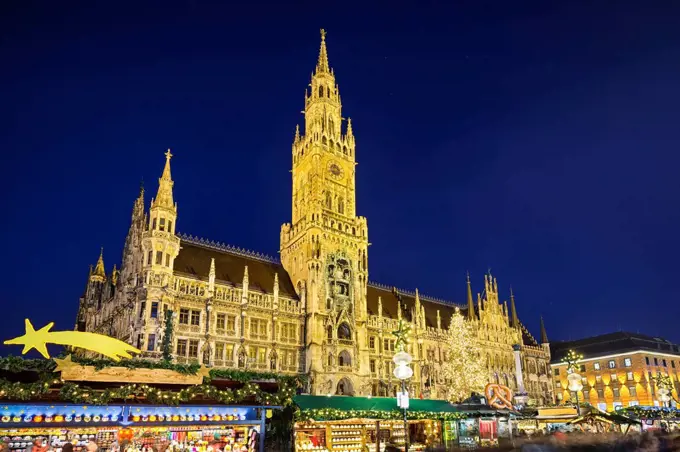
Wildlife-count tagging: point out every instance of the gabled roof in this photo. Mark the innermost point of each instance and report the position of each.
(195, 256)
(607, 344)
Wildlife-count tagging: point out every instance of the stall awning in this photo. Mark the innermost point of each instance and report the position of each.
(349, 403)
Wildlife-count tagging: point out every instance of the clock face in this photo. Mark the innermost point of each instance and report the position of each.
(334, 170)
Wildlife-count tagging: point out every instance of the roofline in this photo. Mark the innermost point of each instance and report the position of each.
(377, 285)
(626, 333)
(619, 354)
(198, 241)
(224, 247)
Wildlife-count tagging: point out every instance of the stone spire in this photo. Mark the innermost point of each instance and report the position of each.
(514, 320)
(470, 304)
(114, 275)
(164, 196)
(99, 270)
(322, 63)
(544, 334)
(211, 277)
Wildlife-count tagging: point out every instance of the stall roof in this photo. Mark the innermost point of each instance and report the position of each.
(347, 403)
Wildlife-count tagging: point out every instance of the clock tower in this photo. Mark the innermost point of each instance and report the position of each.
(324, 248)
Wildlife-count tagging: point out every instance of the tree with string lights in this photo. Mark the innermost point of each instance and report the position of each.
(462, 368)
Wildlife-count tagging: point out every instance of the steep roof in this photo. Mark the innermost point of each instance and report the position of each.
(607, 344)
(391, 296)
(195, 256)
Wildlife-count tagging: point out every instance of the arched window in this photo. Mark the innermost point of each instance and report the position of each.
(344, 359)
(344, 331)
(329, 200)
(330, 360)
(320, 91)
(329, 330)
(331, 126)
(341, 205)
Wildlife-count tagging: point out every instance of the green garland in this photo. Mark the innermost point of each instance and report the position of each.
(333, 414)
(651, 413)
(77, 393)
(167, 337)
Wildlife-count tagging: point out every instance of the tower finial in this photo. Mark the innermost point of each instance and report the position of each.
(544, 334)
(99, 268)
(513, 309)
(322, 63)
(470, 304)
(165, 183)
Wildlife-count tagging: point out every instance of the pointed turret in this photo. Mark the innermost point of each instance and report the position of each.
(470, 304)
(114, 275)
(297, 133)
(544, 334)
(99, 270)
(514, 320)
(164, 196)
(211, 277)
(322, 63)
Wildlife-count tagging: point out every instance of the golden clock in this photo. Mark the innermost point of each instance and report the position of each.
(335, 171)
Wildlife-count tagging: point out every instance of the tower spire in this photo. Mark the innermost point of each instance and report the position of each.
(99, 268)
(544, 334)
(513, 309)
(165, 183)
(470, 304)
(322, 63)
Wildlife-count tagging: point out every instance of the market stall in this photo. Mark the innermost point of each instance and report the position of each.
(227, 428)
(349, 424)
(596, 421)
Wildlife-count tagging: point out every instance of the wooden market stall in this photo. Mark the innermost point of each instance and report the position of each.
(596, 421)
(137, 402)
(371, 423)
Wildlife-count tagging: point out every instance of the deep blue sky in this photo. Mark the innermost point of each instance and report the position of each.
(539, 139)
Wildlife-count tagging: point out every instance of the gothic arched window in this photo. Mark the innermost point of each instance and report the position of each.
(341, 205)
(329, 201)
(344, 332)
(329, 330)
(344, 359)
(320, 91)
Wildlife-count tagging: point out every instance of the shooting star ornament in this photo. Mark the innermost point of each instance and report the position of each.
(98, 343)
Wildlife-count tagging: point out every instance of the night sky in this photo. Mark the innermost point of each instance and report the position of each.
(537, 139)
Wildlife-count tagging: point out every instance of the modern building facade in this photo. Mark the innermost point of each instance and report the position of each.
(617, 369)
(314, 311)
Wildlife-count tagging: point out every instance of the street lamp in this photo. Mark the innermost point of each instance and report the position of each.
(575, 385)
(403, 372)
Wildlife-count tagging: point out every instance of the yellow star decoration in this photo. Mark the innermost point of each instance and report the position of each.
(402, 335)
(98, 343)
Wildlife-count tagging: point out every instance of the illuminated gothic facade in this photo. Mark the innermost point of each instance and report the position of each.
(313, 312)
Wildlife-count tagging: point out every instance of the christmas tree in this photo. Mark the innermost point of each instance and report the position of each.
(462, 368)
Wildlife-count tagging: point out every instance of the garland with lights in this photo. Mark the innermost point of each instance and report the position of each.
(167, 337)
(77, 393)
(651, 413)
(333, 414)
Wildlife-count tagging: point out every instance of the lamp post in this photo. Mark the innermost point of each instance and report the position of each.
(575, 385)
(403, 372)
(571, 360)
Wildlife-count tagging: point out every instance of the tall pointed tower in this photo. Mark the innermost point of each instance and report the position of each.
(324, 248)
(160, 247)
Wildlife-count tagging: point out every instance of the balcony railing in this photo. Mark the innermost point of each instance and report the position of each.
(345, 341)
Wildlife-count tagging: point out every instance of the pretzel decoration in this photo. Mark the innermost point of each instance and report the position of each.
(498, 396)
